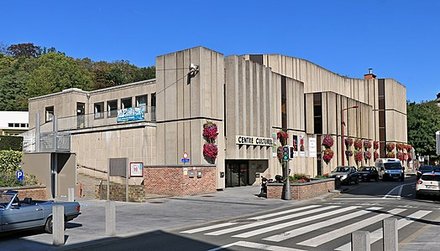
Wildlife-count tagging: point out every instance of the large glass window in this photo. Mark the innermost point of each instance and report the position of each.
(317, 112)
(126, 103)
(112, 108)
(142, 101)
(99, 110)
(49, 113)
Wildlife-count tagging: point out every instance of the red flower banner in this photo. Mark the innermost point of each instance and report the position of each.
(328, 155)
(348, 142)
(358, 156)
(210, 151)
(390, 147)
(358, 144)
(367, 144)
(376, 145)
(376, 156)
(367, 155)
(327, 141)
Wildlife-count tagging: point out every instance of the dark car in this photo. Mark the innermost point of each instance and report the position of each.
(367, 173)
(427, 169)
(345, 174)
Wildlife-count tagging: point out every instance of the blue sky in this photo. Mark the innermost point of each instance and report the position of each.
(399, 39)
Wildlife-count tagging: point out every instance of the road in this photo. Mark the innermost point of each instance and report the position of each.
(322, 225)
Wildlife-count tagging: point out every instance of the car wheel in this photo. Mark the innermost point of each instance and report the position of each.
(49, 225)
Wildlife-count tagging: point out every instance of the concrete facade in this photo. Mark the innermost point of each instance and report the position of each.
(249, 98)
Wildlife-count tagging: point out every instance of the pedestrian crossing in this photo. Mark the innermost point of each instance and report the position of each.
(306, 227)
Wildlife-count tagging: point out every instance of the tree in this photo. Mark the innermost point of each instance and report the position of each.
(27, 50)
(56, 72)
(423, 122)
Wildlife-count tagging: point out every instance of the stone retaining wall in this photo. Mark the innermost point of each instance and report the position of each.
(136, 193)
(301, 191)
(34, 192)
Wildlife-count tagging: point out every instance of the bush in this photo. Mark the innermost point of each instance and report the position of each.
(11, 143)
(9, 163)
(299, 177)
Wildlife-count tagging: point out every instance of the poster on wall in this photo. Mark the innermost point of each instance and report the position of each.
(302, 149)
(295, 145)
(136, 169)
(312, 147)
(274, 146)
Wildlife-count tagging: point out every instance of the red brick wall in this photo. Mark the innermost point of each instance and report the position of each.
(36, 193)
(173, 181)
(302, 191)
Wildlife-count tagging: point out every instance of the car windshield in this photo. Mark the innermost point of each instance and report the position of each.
(426, 168)
(392, 166)
(430, 177)
(341, 169)
(5, 199)
(365, 168)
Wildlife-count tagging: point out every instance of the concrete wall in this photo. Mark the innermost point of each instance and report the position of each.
(183, 107)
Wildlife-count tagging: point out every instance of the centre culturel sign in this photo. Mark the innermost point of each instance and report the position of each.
(253, 141)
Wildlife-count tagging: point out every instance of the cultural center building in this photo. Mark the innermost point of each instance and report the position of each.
(210, 121)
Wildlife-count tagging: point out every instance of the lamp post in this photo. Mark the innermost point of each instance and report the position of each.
(342, 131)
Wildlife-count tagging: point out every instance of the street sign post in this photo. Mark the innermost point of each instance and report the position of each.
(19, 174)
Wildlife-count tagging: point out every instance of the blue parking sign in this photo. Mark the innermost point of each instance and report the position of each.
(20, 175)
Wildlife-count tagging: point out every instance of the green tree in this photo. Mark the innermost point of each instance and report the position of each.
(27, 50)
(56, 72)
(423, 122)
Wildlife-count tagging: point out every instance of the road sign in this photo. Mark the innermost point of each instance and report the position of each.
(19, 175)
(185, 158)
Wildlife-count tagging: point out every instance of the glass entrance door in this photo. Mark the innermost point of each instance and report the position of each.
(237, 173)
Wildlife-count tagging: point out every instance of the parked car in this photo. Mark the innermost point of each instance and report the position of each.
(390, 168)
(367, 173)
(16, 214)
(346, 174)
(427, 169)
(428, 184)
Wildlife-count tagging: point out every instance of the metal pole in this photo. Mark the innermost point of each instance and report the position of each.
(286, 186)
(126, 180)
(37, 133)
(342, 137)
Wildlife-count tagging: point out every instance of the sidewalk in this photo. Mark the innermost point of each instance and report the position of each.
(155, 214)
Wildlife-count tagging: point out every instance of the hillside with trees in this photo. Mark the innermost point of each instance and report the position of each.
(423, 122)
(28, 70)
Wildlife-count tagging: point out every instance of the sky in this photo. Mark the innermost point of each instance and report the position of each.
(399, 39)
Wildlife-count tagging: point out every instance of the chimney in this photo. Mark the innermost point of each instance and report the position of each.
(370, 74)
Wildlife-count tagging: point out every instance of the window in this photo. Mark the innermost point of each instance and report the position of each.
(317, 112)
(49, 113)
(112, 108)
(10, 125)
(99, 110)
(142, 101)
(126, 103)
(22, 125)
(153, 106)
(153, 99)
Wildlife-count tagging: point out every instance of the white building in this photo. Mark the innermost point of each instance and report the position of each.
(13, 122)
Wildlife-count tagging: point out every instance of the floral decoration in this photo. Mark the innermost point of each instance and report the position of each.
(282, 136)
(210, 149)
(401, 156)
(376, 156)
(328, 155)
(367, 155)
(210, 131)
(358, 156)
(358, 144)
(367, 144)
(348, 142)
(400, 146)
(390, 147)
(409, 157)
(280, 153)
(327, 141)
(348, 153)
(408, 148)
(376, 145)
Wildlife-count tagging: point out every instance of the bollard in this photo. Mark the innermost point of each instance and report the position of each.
(360, 241)
(390, 235)
(71, 194)
(58, 224)
(110, 218)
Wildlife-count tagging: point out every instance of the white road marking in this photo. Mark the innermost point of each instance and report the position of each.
(201, 229)
(257, 246)
(283, 212)
(378, 234)
(260, 223)
(329, 236)
(313, 227)
(291, 223)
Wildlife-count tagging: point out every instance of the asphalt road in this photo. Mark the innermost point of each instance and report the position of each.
(318, 225)
(220, 222)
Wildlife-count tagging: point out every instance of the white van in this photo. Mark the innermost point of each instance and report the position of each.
(390, 168)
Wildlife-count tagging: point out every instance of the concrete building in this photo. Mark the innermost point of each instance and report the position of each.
(250, 98)
(13, 122)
